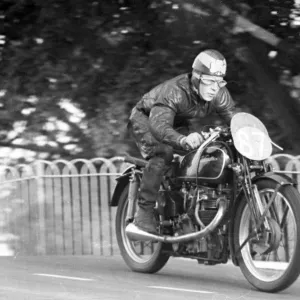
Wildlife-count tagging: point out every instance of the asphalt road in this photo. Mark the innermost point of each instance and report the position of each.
(96, 277)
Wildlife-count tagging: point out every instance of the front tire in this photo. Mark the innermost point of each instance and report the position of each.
(133, 252)
(276, 269)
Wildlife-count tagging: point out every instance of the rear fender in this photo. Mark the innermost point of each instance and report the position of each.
(281, 179)
(122, 183)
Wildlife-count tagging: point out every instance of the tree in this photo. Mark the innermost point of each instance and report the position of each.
(251, 44)
(102, 56)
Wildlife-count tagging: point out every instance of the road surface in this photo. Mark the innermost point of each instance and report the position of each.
(105, 278)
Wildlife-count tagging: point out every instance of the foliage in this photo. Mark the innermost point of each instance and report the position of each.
(102, 56)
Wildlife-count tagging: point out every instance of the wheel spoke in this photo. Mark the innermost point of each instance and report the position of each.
(274, 213)
(284, 217)
(276, 256)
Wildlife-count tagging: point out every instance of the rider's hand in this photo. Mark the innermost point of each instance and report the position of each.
(192, 141)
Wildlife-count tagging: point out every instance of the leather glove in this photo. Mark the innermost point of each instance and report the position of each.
(192, 141)
(148, 139)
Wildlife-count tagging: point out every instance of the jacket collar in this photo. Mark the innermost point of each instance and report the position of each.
(194, 91)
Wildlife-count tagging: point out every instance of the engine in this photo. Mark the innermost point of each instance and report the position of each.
(200, 203)
(196, 210)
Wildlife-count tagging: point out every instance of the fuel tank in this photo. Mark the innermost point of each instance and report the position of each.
(210, 167)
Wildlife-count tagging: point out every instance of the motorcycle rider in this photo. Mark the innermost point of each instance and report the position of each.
(159, 123)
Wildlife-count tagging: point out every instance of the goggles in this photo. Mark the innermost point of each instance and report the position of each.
(209, 80)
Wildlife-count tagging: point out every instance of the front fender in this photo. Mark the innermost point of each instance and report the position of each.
(279, 178)
(282, 179)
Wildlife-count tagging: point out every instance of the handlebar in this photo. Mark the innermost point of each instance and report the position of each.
(212, 135)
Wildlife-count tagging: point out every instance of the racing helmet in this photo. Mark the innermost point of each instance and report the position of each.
(210, 62)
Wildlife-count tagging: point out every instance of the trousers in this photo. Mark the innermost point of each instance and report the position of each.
(159, 157)
(153, 174)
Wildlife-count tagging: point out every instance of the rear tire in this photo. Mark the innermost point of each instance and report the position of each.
(134, 261)
(256, 270)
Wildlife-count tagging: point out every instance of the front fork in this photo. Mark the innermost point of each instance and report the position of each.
(260, 205)
(255, 202)
(134, 183)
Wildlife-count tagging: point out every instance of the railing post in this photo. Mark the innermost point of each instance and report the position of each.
(41, 246)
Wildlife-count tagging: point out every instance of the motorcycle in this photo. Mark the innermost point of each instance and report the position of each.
(221, 201)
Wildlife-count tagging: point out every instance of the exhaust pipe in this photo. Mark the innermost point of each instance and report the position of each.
(134, 233)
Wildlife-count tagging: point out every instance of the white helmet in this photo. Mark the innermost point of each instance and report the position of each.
(210, 62)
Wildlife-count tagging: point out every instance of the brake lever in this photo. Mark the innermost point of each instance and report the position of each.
(222, 130)
(206, 135)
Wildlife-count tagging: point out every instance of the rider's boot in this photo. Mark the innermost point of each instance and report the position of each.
(145, 220)
(151, 180)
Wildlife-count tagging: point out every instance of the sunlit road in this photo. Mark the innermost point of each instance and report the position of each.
(92, 277)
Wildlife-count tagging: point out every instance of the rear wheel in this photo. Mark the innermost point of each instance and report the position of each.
(145, 257)
(270, 261)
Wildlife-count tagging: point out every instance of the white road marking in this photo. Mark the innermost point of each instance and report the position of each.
(180, 290)
(64, 277)
(271, 265)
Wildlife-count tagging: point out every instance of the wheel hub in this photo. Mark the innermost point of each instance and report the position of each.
(268, 240)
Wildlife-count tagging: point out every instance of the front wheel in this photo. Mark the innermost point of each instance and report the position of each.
(144, 257)
(270, 260)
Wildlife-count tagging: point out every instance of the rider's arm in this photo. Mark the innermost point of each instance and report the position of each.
(224, 105)
(162, 118)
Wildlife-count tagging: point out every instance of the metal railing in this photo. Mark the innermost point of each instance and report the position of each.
(62, 207)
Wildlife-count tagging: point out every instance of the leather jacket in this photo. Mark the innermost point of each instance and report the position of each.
(171, 104)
